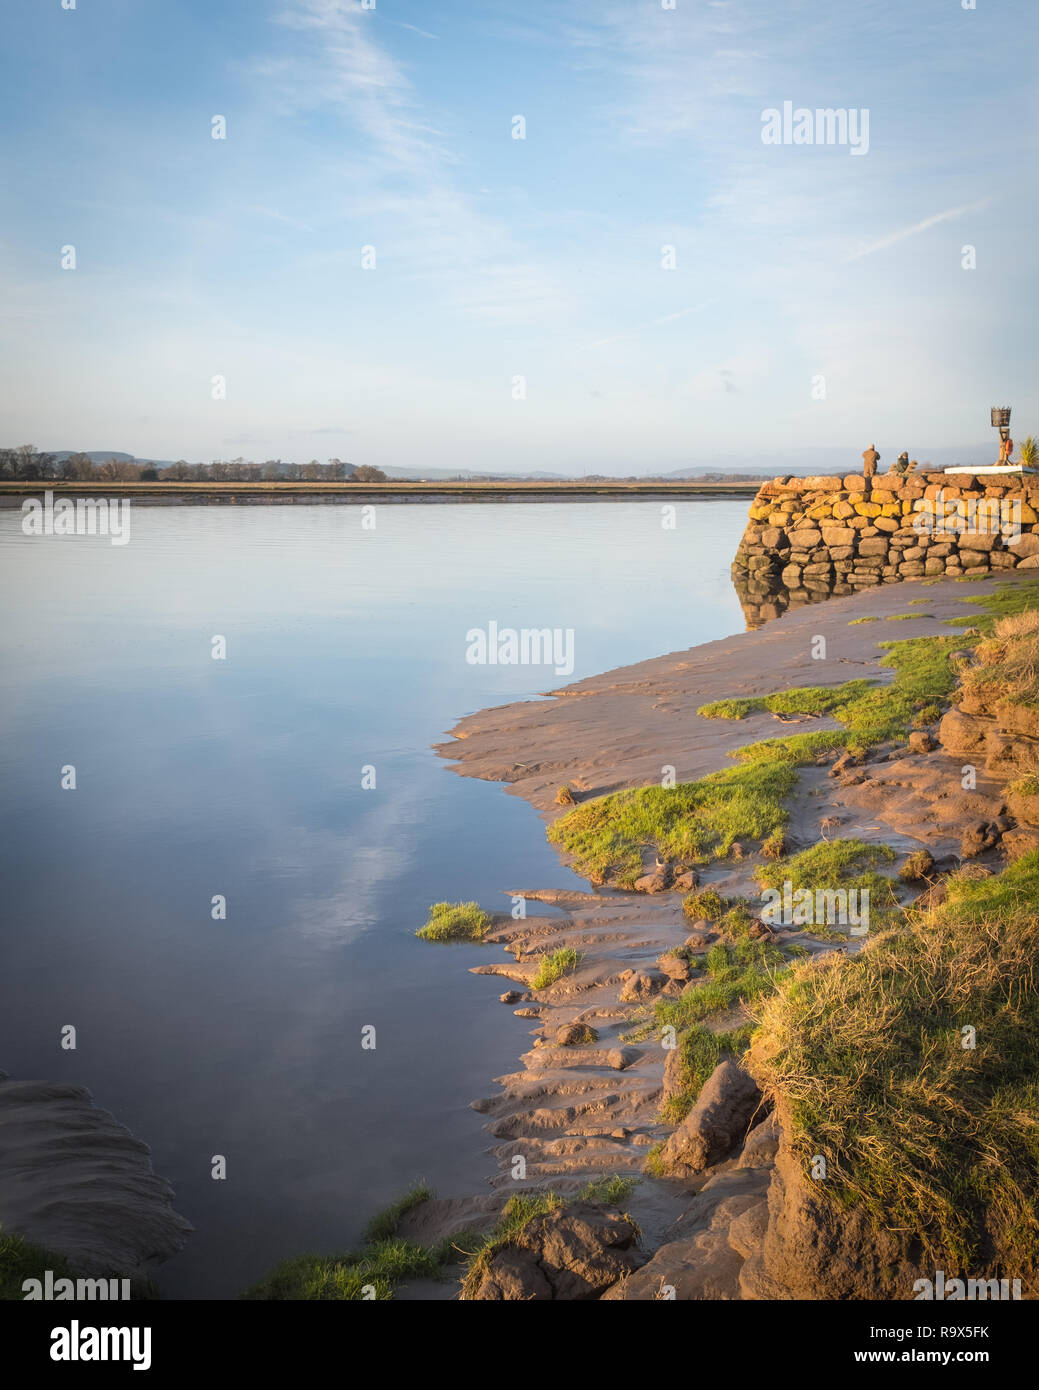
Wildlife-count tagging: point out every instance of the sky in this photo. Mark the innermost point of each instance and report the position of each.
(640, 283)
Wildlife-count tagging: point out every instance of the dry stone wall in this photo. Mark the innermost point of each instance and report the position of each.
(814, 538)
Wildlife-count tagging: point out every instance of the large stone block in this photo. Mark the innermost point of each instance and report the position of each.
(1027, 543)
(979, 540)
(873, 545)
(838, 535)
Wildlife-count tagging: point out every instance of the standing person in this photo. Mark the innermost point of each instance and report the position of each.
(870, 459)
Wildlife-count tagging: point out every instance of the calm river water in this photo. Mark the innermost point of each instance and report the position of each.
(242, 777)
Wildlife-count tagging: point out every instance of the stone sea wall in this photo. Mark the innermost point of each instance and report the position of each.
(814, 538)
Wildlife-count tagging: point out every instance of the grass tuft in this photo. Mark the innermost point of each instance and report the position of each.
(554, 966)
(379, 1268)
(455, 922)
(384, 1224)
(21, 1259)
(700, 1051)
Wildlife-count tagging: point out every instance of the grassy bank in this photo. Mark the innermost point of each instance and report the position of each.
(913, 1067)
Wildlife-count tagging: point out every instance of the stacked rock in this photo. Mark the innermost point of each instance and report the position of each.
(810, 539)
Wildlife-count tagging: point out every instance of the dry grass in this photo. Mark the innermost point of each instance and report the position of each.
(1008, 661)
(866, 1055)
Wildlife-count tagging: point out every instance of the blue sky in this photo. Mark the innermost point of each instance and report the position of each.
(499, 258)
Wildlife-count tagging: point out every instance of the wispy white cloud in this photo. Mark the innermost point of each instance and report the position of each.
(654, 323)
(405, 170)
(414, 29)
(915, 228)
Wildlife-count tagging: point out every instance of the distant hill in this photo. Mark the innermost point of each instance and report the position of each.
(799, 462)
(802, 462)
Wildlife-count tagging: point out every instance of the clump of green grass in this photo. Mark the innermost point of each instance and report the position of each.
(373, 1272)
(927, 714)
(917, 866)
(855, 622)
(455, 922)
(795, 749)
(805, 699)
(775, 846)
(835, 865)
(905, 617)
(689, 823)
(554, 965)
(829, 864)
(735, 971)
(653, 1164)
(384, 1224)
(705, 905)
(700, 1051)
(923, 675)
(865, 1058)
(976, 900)
(608, 1191)
(917, 601)
(21, 1259)
(1004, 602)
(737, 920)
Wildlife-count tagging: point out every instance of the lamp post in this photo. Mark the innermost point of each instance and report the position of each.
(1001, 421)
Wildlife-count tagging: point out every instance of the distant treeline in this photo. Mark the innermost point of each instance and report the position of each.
(27, 462)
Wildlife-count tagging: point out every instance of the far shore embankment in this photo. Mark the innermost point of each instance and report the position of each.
(201, 494)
